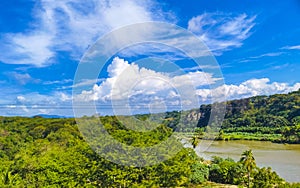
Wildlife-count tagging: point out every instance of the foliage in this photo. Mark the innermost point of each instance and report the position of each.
(200, 173)
(265, 177)
(248, 162)
(39, 152)
(273, 118)
(226, 171)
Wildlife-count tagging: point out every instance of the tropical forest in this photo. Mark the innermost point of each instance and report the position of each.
(51, 152)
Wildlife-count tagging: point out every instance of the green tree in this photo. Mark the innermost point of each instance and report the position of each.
(195, 141)
(265, 177)
(200, 173)
(226, 171)
(249, 163)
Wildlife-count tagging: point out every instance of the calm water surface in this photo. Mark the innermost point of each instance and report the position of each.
(282, 158)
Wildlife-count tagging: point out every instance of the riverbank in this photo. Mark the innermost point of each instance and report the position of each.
(275, 138)
(282, 158)
(251, 136)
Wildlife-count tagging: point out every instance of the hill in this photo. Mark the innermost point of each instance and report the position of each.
(275, 118)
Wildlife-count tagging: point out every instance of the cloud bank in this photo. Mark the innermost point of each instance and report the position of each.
(131, 86)
(135, 89)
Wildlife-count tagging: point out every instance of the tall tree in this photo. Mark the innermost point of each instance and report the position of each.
(249, 163)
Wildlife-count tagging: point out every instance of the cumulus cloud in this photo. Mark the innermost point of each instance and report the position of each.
(249, 88)
(153, 93)
(130, 83)
(71, 26)
(222, 31)
(130, 86)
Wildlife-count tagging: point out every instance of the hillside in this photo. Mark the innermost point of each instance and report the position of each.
(275, 118)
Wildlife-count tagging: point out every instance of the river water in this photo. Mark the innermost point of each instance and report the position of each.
(282, 158)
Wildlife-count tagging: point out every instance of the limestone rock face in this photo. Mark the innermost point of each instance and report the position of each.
(194, 115)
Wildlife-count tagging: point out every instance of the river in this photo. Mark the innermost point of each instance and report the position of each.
(282, 158)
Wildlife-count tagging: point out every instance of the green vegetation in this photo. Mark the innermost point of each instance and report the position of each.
(275, 118)
(38, 152)
(248, 162)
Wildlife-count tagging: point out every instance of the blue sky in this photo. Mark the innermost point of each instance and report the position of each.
(255, 43)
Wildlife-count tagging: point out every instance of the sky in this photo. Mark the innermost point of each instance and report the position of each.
(254, 49)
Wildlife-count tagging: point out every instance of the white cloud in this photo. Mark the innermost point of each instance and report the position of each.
(71, 26)
(221, 31)
(32, 48)
(295, 87)
(153, 92)
(22, 78)
(129, 83)
(249, 88)
(271, 54)
(82, 83)
(297, 47)
(20, 108)
(64, 81)
(30, 104)
(199, 68)
(150, 39)
(21, 99)
(122, 77)
(258, 57)
(64, 97)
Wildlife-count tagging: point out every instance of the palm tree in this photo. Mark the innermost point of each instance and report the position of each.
(248, 161)
(195, 141)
